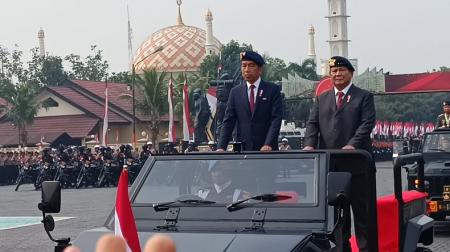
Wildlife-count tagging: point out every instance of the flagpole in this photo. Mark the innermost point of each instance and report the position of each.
(105, 116)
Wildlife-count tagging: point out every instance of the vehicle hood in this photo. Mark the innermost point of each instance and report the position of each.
(212, 242)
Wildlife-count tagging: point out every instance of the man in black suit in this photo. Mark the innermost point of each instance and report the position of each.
(255, 106)
(443, 120)
(343, 118)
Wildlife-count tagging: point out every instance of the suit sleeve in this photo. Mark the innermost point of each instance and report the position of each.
(367, 122)
(312, 126)
(228, 122)
(276, 116)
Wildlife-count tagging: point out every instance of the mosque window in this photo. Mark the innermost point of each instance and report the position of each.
(49, 103)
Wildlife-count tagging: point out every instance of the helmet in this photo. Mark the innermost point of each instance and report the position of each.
(284, 140)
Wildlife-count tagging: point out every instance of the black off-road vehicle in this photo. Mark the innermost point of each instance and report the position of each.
(435, 149)
(278, 201)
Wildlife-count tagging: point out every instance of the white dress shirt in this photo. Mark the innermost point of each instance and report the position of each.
(255, 90)
(345, 90)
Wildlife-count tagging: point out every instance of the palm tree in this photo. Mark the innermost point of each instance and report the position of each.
(306, 70)
(153, 89)
(20, 107)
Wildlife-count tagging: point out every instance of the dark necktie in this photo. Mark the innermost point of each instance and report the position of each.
(340, 95)
(252, 98)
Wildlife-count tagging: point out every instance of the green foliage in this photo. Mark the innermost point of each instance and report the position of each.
(410, 107)
(120, 77)
(151, 88)
(275, 69)
(230, 60)
(20, 106)
(93, 68)
(40, 71)
(444, 69)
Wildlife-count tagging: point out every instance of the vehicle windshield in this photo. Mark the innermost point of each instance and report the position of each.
(439, 142)
(226, 181)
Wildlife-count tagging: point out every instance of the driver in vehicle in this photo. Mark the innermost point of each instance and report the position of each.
(222, 188)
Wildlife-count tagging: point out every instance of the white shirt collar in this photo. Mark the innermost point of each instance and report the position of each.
(256, 84)
(345, 90)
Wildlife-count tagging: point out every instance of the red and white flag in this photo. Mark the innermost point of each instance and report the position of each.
(105, 117)
(187, 129)
(124, 224)
(172, 136)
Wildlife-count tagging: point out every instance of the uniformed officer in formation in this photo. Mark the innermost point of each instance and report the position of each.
(443, 120)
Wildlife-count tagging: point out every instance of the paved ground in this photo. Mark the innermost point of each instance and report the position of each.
(90, 207)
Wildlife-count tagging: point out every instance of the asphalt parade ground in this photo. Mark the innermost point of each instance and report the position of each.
(84, 209)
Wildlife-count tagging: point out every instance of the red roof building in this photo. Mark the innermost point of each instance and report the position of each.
(418, 83)
(77, 108)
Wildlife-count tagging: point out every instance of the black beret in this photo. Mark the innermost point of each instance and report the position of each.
(338, 61)
(252, 56)
(445, 103)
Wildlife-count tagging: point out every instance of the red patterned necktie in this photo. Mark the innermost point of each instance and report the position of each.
(252, 98)
(340, 95)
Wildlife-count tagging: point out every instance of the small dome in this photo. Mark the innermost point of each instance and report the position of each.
(183, 50)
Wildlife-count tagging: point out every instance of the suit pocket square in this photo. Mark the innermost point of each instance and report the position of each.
(264, 98)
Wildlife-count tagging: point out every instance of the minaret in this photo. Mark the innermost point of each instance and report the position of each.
(179, 19)
(209, 44)
(311, 45)
(41, 43)
(337, 20)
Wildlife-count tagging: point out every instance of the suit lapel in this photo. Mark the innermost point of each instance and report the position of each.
(259, 94)
(245, 99)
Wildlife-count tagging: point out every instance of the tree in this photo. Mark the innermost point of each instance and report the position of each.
(153, 103)
(444, 69)
(93, 68)
(20, 106)
(275, 69)
(306, 70)
(230, 60)
(46, 70)
(120, 77)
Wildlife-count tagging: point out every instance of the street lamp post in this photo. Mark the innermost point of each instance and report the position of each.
(133, 82)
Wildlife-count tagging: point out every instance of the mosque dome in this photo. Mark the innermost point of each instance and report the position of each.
(183, 49)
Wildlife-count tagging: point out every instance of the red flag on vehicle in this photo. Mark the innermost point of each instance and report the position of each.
(124, 224)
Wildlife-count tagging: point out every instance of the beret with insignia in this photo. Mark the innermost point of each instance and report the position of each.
(446, 103)
(338, 61)
(252, 56)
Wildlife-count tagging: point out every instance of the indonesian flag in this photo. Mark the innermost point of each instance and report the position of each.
(124, 224)
(105, 117)
(187, 129)
(172, 136)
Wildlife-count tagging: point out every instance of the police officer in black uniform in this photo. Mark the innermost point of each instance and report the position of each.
(443, 120)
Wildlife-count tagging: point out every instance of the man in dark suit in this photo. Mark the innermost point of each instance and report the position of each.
(255, 107)
(343, 118)
(443, 120)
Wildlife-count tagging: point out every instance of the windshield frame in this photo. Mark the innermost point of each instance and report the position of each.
(316, 214)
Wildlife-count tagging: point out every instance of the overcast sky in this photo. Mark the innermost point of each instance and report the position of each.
(401, 36)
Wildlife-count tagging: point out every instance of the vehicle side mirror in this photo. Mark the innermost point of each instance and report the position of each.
(339, 188)
(51, 197)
